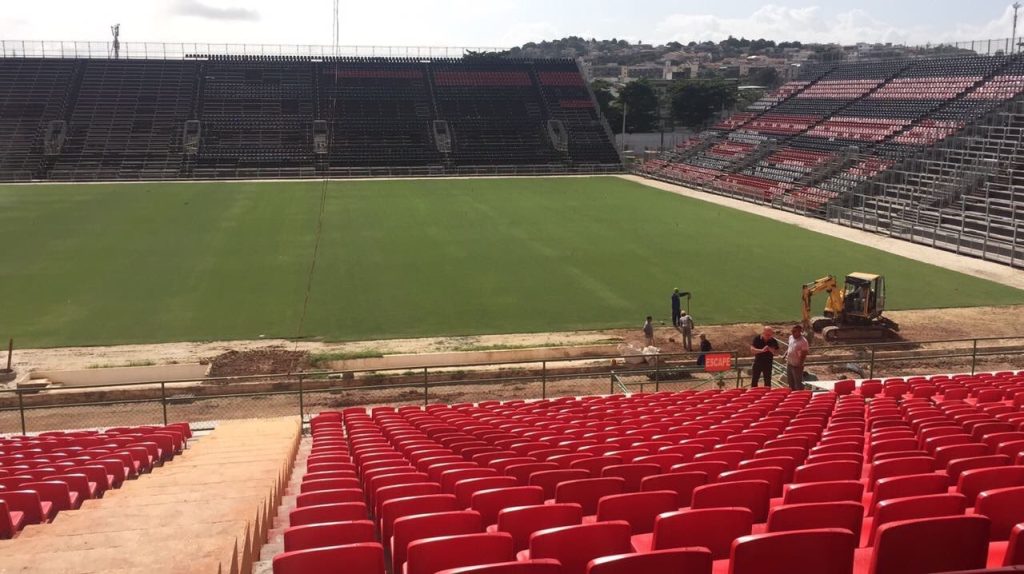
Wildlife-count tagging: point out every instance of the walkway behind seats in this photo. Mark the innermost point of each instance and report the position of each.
(207, 512)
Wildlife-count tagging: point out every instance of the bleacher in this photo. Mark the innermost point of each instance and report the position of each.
(495, 115)
(819, 142)
(379, 113)
(230, 117)
(917, 474)
(256, 115)
(208, 510)
(33, 93)
(41, 476)
(568, 100)
(126, 121)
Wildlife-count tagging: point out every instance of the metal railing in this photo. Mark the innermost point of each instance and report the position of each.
(205, 401)
(183, 50)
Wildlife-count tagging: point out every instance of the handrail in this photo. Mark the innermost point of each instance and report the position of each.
(296, 392)
(197, 50)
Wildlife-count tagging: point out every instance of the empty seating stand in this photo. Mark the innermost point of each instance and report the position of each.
(494, 114)
(854, 125)
(207, 511)
(33, 93)
(42, 476)
(379, 113)
(864, 479)
(256, 116)
(294, 117)
(127, 121)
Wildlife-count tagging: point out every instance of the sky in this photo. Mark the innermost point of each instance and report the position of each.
(504, 23)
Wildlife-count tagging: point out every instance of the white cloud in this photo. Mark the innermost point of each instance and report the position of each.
(1000, 27)
(520, 33)
(774, 22)
(199, 9)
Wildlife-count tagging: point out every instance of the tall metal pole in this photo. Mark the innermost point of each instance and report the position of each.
(115, 30)
(1013, 39)
(336, 33)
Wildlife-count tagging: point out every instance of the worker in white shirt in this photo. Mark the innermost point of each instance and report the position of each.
(796, 355)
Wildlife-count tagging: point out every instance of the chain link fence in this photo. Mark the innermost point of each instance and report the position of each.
(204, 402)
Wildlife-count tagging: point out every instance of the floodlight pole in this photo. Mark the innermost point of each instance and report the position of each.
(115, 30)
(336, 33)
(1013, 39)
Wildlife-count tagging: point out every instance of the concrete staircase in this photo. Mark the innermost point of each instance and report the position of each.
(275, 538)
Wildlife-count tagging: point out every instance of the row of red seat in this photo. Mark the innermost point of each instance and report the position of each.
(839, 89)
(924, 88)
(789, 156)
(56, 471)
(928, 132)
(457, 78)
(809, 198)
(854, 128)
(781, 124)
(561, 79)
(756, 187)
(456, 470)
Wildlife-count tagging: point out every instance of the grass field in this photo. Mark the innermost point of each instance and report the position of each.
(108, 264)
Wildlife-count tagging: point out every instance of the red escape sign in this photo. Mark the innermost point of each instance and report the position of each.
(717, 362)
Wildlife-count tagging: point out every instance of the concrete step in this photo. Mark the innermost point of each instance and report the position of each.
(271, 549)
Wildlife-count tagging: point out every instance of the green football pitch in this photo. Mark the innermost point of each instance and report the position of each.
(133, 263)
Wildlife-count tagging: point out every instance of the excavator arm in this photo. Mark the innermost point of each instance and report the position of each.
(833, 306)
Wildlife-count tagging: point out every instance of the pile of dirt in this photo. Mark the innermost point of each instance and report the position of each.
(258, 362)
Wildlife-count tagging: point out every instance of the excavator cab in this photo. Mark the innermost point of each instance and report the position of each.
(852, 313)
(864, 296)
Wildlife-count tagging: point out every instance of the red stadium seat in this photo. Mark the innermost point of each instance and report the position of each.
(688, 560)
(432, 555)
(713, 528)
(929, 545)
(524, 567)
(823, 551)
(523, 521)
(419, 526)
(817, 515)
(639, 509)
(750, 494)
(575, 546)
(367, 558)
(327, 534)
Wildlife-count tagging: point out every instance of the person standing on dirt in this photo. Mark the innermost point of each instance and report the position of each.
(686, 328)
(764, 347)
(796, 355)
(649, 331)
(677, 305)
(705, 348)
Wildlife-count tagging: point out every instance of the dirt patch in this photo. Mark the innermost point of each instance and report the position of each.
(249, 357)
(258, 362)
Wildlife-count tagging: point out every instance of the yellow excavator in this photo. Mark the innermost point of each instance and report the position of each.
(853, 312)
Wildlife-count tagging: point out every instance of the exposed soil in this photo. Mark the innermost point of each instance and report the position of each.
(268, 361)
(280, 356)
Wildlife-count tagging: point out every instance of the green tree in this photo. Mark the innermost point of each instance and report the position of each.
(641, 105)
(767, 77)
(746, 97)
(608, 104)
(695, 103)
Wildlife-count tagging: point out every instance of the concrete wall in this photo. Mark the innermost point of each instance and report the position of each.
(473, 358)
(124, 375)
